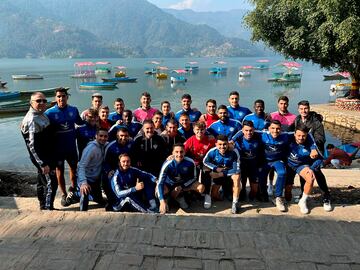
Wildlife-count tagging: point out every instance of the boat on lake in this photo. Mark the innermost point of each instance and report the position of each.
(27, 77)
(339, 89)
(97, 85)
(179, 78)
(12, 108)
(218, 70)
(119, 79)
(2, 84)
(7, 95)
(121, 71)
(337, 76)
(102, 67)
(84, 70)
(45, 91)
(191, 66)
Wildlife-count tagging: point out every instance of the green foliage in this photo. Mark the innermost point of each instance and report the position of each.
(325, 32)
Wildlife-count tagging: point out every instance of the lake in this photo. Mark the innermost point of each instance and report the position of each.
(201, 85)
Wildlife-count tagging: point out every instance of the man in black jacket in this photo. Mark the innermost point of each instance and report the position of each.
(38, 137)
(313, 121)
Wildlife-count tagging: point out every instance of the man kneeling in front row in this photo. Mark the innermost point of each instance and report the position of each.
(130, 186)
(225, 166)
(176, 177)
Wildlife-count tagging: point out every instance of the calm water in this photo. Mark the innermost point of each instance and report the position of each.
(200, 85)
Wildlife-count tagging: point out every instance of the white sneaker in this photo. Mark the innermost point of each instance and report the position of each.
(327, 205)
(207, 201)
(303, 207)
(270, 190)
(279, 202)
(182, 203)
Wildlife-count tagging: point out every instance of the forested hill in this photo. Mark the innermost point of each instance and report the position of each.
(111, 28)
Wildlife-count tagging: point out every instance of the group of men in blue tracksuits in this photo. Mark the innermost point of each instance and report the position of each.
(138, 171)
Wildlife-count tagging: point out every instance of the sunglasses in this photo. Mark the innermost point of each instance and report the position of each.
(40, 100)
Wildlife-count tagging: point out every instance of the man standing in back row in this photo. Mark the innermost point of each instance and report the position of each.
(63, 118)
(38, 139)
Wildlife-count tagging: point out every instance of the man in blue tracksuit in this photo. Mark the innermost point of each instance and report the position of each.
(251, 149)
(259, 117)
(276, 145)
(225, 125)
(89, 170)
(86, 132)
(63, 118)
(177, 176)
(302, 163)
(193, 114)
(225, 168)
(235, 110)
(127, 122)
(119, 106)
(129, 185)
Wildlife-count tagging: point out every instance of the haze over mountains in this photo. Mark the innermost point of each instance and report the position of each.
(112, 28)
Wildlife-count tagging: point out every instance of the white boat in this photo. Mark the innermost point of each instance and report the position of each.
(27, 77)
(339, 89)
(84, 70)
(244, 73)
(178, 79)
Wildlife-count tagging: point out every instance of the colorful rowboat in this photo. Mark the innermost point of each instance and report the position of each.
(97, 85)
(119, 79)
(9, 95)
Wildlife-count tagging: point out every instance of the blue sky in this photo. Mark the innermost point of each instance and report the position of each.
(203, 5)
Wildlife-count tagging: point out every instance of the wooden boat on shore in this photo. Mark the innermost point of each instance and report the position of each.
(9, 95)
(97, 85)
(119, 79)
(27, 77)
(13, 108)
(45, 91)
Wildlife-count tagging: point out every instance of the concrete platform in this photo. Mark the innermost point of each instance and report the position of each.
(259, 237)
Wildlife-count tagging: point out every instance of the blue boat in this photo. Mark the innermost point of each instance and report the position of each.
(97, 85)
(218, 70)
(119, 79)
(9, 95)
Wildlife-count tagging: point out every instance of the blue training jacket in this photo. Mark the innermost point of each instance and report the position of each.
(176, 174)
(228, 128)
(63, 121)
(238, 113)
(193, 115)
(230, 161)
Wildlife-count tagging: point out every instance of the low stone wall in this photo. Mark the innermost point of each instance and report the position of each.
(332, 114)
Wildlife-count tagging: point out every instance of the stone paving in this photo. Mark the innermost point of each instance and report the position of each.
(257, 238)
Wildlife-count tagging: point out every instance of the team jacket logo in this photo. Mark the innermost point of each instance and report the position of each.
(293, 156)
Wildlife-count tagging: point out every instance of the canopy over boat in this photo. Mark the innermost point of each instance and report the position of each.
(220, 62)
(120, 67)
(290, 64)
(162, 68)
(179, 71)
(103, 63)
(246, 67)
(83, 64)
(263, 61)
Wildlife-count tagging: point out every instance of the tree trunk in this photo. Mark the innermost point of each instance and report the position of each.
(354, 92)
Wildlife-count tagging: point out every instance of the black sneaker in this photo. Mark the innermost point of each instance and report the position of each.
(63, 201)
(72, 198)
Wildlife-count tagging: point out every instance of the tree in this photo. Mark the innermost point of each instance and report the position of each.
(326, 32)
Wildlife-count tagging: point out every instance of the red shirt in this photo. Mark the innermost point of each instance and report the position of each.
(105, 124)
(340, 155)
(196, 149)
(209, 119)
